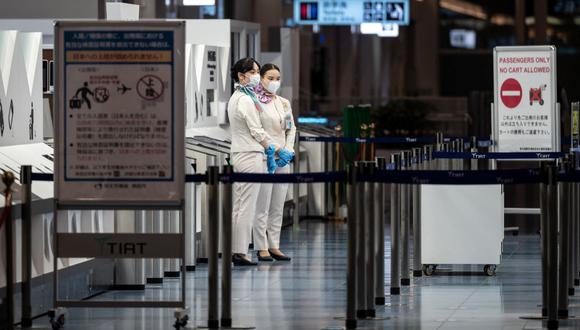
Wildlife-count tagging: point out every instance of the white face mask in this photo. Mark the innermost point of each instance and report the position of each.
(273, 86)
(254, 81)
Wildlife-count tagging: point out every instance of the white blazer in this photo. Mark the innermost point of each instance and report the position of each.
(248, 134)
(278, 122)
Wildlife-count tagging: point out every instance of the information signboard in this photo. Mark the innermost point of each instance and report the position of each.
(525, 99)
(120, 112)
(350, 12)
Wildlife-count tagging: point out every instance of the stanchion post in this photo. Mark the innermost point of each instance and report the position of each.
(337, 199)
(8, 180)
(26, 202)
(405, 223)
(453, 162)
(448, 163)
(380, 237)
(576, 222)
(417, 272)
(371, 239)
(563, 243)
(461, 148)
(576, 232)
(372, 127)
(226, 317)
(439, 139)
(296, 186)
(213, 246)
(351, 243)
(552, 262)
(395, 230)
(361, 245)
(474, 148)
(544, 239)
(364, 135)
(572, 231)
(439, 146)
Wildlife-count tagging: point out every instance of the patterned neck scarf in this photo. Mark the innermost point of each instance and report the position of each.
(263, 95)
(250, 92)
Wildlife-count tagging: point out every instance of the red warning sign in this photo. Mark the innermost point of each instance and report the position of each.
(511, 93)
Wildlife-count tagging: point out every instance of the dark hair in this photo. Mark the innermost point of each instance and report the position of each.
(267, 67)
(242, 66)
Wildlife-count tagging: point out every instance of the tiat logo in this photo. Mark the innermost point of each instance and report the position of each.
(126, 248)
(453, 174)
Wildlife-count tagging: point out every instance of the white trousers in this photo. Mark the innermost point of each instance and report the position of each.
(245, 199)
(269, 213)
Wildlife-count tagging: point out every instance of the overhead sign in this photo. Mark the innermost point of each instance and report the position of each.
(119, 108)
(461, 38)
(389, 31)
(350, 12)
(525, 99)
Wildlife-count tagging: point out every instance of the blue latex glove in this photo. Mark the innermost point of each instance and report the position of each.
(286, 155)
(281, 163)
(270, 161)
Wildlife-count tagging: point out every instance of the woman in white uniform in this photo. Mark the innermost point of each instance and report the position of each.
(277, 120)
(249, 144)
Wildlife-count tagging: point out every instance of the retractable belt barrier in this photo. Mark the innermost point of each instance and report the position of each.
(193, 178)
(481, 143)
(443, 177)
(42, 177)
(498, 155)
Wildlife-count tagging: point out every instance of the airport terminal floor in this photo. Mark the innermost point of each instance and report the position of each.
(309, 291)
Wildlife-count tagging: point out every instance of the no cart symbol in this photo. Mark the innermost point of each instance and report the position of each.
(511, 93)
(150, 87)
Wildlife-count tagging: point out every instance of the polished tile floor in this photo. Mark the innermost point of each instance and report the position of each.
(309, 292)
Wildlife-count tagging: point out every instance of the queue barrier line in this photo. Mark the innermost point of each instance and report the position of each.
(481, 143)
(485, 177)
(498, 155)
(445, 177)
(320, 177)
(42, 177)
(194, 178)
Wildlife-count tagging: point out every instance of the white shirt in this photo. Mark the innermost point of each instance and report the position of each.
(278, 122)
(246, 128)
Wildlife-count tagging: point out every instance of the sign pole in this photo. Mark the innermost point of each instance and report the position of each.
(26, 182)
(8, 180)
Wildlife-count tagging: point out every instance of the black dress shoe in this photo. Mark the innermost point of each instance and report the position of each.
(260, 258)
(280, 257)
(239, 261)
